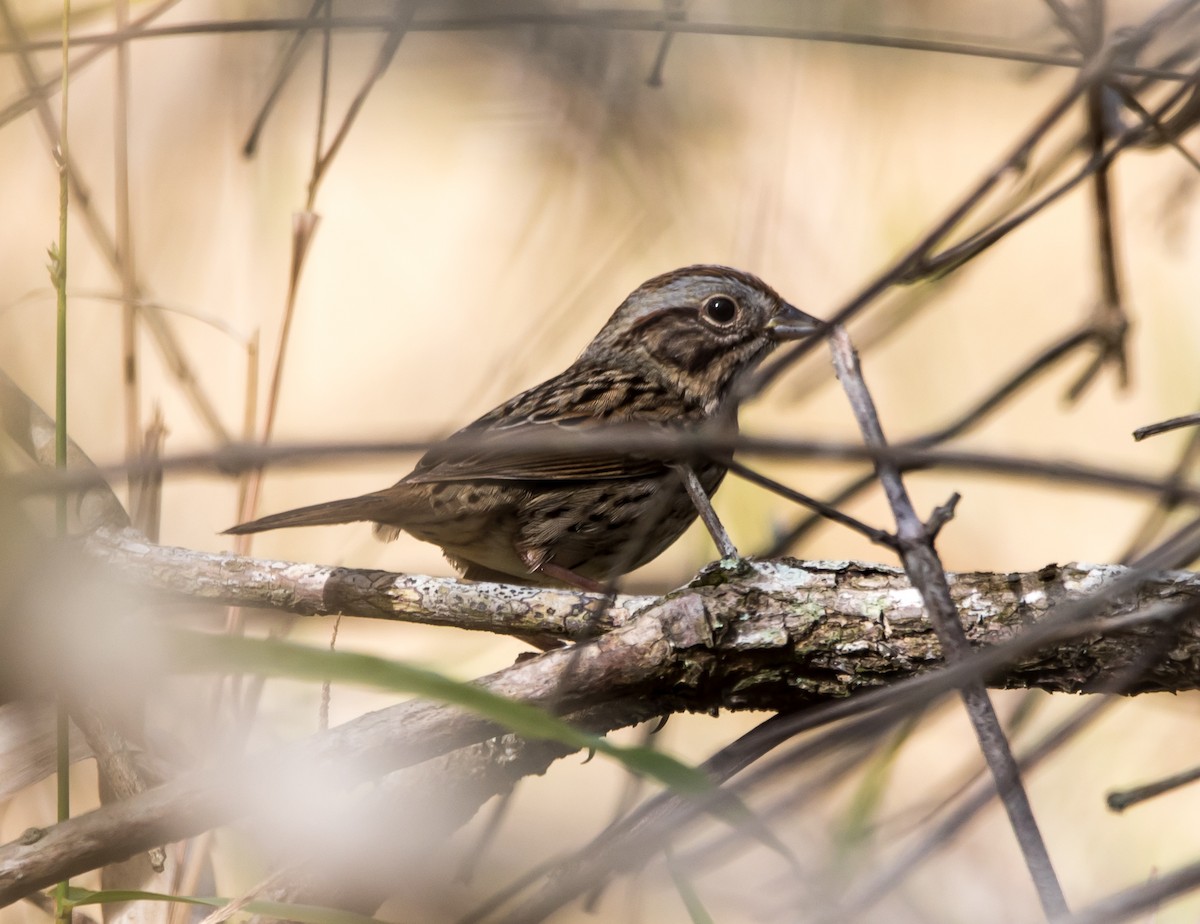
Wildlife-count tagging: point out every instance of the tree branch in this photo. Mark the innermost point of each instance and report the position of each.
(835, 627)
(772, 635)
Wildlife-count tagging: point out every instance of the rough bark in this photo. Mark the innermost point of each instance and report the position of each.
(774, 632)
(776, 635)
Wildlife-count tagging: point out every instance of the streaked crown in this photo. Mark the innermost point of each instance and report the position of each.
(699, 327)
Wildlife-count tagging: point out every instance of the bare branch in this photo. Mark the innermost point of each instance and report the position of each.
(925, 570)
(860, 627)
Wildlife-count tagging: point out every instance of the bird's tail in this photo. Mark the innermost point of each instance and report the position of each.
(347, 510)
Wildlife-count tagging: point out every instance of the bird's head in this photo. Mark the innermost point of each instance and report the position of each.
(699, 327)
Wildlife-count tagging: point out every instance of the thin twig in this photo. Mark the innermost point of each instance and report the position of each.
(1165, 426)
(672, 12)
(1111, 319)
(1168, 501)
(50, 85)
(957, 254)
(1165, 130)
(130, 380)
(58, 273)
(287, 66)
(168, 345)
(885, 878)
(1068, 20)
(1122, 799)
(708, 516)
(967, 420)
(1128, 903)
(821, 509)
(397, 28)
(235, 458)
(915, 261)
(628, 843)
(624, 22)
(925, 570)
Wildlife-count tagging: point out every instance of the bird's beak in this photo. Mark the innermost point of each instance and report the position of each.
(792, 324)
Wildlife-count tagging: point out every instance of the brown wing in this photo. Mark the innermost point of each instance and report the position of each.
(577, 400)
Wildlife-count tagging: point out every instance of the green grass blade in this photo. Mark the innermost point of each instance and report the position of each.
(697, 913)
(305, 914)
(204, 652)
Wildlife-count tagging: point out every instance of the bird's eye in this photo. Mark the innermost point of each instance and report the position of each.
(721, 309)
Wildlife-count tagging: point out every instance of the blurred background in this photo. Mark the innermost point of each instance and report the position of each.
(501, 190)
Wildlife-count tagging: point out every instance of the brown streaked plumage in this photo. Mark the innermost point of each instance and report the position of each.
(668, 356)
